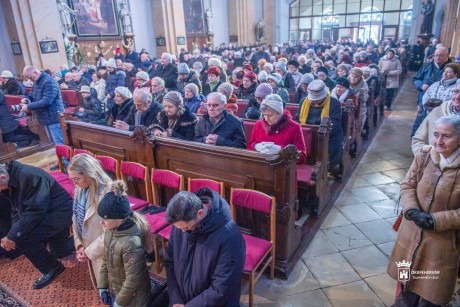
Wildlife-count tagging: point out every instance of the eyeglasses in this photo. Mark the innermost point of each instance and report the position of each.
(76, 179)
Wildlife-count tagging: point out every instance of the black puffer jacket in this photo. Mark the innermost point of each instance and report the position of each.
(12, 87)
(120, 112)
(7, 121)
(92, 106)
(169, 74)
(184, 128)
(192, 77)
(148, 117)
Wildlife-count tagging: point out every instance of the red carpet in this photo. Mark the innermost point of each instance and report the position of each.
(71, 288)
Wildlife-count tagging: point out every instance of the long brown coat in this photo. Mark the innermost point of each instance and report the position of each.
(438, 192)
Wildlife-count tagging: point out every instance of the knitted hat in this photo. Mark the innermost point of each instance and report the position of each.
(124, 91)
(114, 204)
(111, 63)
(344, 67)
(183, 69)
(198, 66)
(343, 82)
(357, 72)
(143, 75)
(316, 90)
(281, 65)
(294, 63)
(7, 74)
(362, 54)
(214, 71)
(226, 89)
(366, 70)
(276, 77)
(269, 65)
(57, 74)
(274, 102)
(248, 67)
(85, 89)
(250, 75)
(307, 78)
(322, 69)
(192, 88)
(174, 97)
(391, 50)
(262, 76)
(262, 90)
(215, 62)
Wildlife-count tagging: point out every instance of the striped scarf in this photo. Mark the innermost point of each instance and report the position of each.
(79, 210)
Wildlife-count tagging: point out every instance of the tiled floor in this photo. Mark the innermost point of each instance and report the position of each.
(345, 265)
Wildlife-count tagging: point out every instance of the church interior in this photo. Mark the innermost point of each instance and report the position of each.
(332, 227)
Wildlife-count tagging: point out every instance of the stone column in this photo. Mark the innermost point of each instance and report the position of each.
(270, 21)
(241, 21)
(168, 22)
(29, 22)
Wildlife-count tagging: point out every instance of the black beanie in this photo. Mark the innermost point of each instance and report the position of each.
(114, 204)
(323, 69)
(343, 82)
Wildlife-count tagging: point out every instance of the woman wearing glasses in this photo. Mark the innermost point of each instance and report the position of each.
(91, 184)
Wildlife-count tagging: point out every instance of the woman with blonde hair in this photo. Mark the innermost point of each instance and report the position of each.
(91, 184)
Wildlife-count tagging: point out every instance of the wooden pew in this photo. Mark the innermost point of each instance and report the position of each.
(370, 113)
(242, 105)
(72, 99)
(347, 127)
(8, 151)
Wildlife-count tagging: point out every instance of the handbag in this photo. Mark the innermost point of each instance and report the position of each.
(398, 221)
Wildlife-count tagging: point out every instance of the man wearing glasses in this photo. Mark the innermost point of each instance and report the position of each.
(41, 214)
(218, 127)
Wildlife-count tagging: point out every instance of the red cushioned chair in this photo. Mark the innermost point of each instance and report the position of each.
(110, 165)
(77, 151)
(161, 178)
(193, 186)
(63, 151)
(257, 249)
(137, 172)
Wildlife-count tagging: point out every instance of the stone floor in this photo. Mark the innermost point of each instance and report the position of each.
(345, 265)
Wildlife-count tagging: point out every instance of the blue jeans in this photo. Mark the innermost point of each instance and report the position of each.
(55, 133)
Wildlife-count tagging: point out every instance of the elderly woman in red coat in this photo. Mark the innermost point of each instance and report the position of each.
(425, 258)
(276, 129)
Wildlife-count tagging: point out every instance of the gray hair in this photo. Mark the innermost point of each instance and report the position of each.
(144, 96)
(167, 55)
(159, 80)
(220, 97)
(183, 207)
(453, 120)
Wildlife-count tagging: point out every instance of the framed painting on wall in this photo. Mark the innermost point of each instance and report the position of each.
(16, 48)
(48, 46)
(193, 16)
(96, 18)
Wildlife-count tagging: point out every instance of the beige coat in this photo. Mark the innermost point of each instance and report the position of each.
(437, 192)
(424, 134)
(92, 238)
(392, 68)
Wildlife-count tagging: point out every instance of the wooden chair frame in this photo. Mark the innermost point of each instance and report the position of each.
(60, 162)
(221, 184)
(253, 276)
(146, 179)
(77, 151)
(117, 165)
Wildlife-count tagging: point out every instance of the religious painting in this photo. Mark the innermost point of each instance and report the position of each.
(95, 18)
(193, 14)
(16, 48)
(48, 46)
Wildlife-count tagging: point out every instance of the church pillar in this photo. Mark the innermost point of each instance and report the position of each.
(168, 22)
(455, 43)
(241, 21)
(269, 16)
(29, 22)
(449, 18)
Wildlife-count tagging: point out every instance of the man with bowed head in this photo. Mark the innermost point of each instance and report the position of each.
(218, 127)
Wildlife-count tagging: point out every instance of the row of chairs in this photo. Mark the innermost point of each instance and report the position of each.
(257, 249)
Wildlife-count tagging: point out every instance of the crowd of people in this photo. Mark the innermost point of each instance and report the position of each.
(194, 97)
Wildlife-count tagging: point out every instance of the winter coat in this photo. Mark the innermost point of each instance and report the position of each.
(46, 99)
(428, 74)
(35, 199)
(297, 77)
(304, 69)
(329, 83)
(7, 121)
(367, 61)
(204, 266)
(148, 117)
(114, 80)
(76, 86)
(146, 87)
(124, 272)
(229, 128)
(192, 77)
(169, 74)
(99, 86)
(243, 93)
(120, 112)
(158, 97)
(193, 104)
(207, 88)
(184, 128)
(441, 90)
(391, 68)
(92, 238)
(12, 87)
(92, 106)
(134, 57)
(424, 134)
(285, 132)
(300, 94)
(437, 192)
(288, 82)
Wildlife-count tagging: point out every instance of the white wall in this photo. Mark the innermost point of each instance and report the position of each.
(6, 55)
(141, 14)
(219, 10)
(282, 21)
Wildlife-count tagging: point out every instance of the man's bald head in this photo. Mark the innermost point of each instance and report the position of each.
(30, 73)
(441, 55)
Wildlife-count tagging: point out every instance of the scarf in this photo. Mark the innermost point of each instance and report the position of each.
(454, 110)
(326, 104)
(341, 98)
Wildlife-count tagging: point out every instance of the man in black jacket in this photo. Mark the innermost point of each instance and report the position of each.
(206, 251)
(167, 71)
(144, 112)
(41, 212)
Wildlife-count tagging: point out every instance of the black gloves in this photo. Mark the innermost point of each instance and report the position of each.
(105, 296)
(422, 219)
